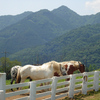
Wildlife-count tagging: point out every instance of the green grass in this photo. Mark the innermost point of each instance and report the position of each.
(79, 77)
(8, 82)
(91, 95)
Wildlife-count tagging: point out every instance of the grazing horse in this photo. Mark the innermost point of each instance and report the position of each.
(44, 71)
(14, 71)
(72, 66)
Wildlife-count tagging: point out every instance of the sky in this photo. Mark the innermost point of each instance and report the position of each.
(81, 7)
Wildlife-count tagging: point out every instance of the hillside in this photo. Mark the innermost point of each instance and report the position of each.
(49, 28)
(9, 19)
(33, 29)
(36, 29)
(74, 19)
(81, 44)
(69, 16)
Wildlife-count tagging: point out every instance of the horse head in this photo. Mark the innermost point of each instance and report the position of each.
(14, 72)
(81, 67)
(62, 69)
(59, 68)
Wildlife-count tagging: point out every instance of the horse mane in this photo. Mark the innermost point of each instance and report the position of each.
(18, 78)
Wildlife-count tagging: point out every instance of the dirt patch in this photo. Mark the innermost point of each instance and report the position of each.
(20, 96)
(24, 95)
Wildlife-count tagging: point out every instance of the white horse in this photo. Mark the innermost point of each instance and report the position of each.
(13, 72)
(44, 71)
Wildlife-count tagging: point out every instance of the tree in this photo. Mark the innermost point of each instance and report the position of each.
(9, 64)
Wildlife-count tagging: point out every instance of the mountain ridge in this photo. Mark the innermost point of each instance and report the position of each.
(41, 27)
(78, 44)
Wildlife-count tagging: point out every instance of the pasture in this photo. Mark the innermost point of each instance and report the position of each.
(80, 85)
(93, 95)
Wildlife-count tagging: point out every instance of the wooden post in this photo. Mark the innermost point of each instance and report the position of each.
(54, 86)
(72, 85)
(84, 84)
(33, 90)
(96, 81)
(2, 85)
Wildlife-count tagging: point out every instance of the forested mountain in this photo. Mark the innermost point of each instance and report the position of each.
(36, 29)
(81, 44)
(46, 35)
(74, 19)
(9, 19)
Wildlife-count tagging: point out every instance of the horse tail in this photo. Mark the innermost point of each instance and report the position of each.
(18, 78)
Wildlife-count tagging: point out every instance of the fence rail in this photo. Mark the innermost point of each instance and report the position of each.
(87, 81)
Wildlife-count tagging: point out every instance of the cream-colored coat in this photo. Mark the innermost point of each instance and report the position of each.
(44, 71)
(75, 63)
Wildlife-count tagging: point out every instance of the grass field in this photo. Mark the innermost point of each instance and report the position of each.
(91, 95)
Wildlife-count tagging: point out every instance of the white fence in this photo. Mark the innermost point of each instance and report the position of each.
(84, 82)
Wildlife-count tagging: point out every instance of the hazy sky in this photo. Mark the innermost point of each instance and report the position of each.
(82, 7)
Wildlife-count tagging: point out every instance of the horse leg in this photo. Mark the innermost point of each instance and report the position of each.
(47, 83)
(22, 81)
(16, 83)
(12, 79)
(30, 79)
(67, 80)
(44, 90)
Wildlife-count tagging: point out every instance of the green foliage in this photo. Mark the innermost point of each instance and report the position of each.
(82, 44)
(91, 95)
(49, 30)
(6, 64)
(34, 29)
(9, 19)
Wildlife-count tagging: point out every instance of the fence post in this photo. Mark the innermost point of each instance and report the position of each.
(72, 85)
(2, 85)
(54, 86)
(84, 84)
(2, 95)
(96, 81)
(33, 90)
